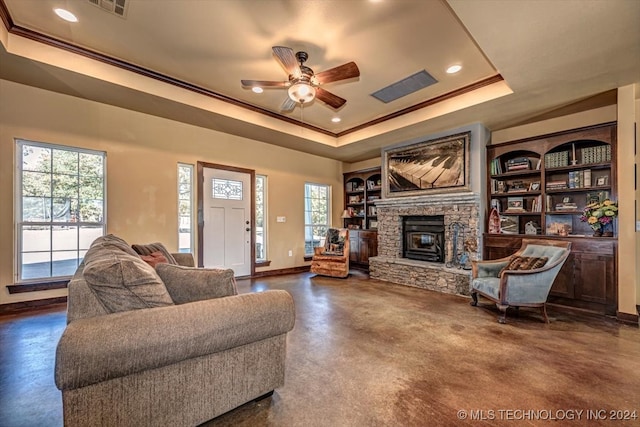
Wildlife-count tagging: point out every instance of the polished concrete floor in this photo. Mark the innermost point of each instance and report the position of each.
(368, 353)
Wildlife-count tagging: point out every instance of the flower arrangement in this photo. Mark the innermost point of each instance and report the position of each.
(600, 214)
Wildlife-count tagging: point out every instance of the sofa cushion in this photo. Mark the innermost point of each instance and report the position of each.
(150, 248)
(120, 279)
(187, 284)
(334, 243)
(525, 263)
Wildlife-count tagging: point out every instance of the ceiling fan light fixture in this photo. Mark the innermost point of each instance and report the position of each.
(302, 92)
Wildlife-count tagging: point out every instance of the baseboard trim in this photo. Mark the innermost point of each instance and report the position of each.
(283, 271)
(629, 319)
(15, 307)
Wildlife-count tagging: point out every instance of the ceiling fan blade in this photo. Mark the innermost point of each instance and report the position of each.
(342, 72)
(329, 98)
(287, 59)
(263, 83)
(288, 104)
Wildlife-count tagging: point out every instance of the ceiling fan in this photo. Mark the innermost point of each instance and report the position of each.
(303, 84)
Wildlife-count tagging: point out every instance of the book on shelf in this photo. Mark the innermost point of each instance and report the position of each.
(598, 154)
(556, 185)
(496, 167)
(519, 163)
(556, 160)
(536, 205)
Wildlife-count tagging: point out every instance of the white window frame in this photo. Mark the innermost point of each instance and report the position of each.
(19, 221)
(190, 199)
(265, 219)
(308, 246)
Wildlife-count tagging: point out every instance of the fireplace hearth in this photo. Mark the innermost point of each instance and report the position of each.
(423, 238)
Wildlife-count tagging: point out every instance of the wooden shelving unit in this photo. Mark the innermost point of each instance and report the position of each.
(541, 186)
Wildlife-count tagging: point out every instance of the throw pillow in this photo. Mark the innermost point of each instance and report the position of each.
(154, 259)
(155, 247)
(525, 263)
(186, 284)
(334, 244)
(119, 279)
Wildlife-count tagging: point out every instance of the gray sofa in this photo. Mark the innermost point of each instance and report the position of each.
(180, 363)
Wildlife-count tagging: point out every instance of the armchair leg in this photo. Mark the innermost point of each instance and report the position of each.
(544, 313)
(474, 297)
(503, 316)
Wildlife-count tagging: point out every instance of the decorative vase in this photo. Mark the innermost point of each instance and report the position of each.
(607, 230)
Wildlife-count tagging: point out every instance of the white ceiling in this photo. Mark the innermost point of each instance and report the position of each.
(549, 53)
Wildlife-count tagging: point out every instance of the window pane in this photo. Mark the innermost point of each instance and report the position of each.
(227, 189)
(316, 215)
(64, 238)
(65, 162)
(64, 185)
(88, 235)
(91, 165)
(91, 187)
(36, 159)
(185, 202)
(36, 265)
(261, 251)
(36, 238)
(64, 263)
(36, 209)
(36, 184)
(91, 210)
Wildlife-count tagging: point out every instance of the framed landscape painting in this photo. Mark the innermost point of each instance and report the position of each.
(436, 166)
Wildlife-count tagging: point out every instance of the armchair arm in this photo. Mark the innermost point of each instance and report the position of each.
(184, 259)
(488, 268)
(100, 348)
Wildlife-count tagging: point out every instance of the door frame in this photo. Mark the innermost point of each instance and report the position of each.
(200, 202)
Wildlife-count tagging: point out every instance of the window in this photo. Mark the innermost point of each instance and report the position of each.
(60, 208)
(316, 215)
(226, 189)
(261, 219)
(185, 208)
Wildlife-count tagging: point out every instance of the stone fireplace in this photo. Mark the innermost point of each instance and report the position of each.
(415, 225)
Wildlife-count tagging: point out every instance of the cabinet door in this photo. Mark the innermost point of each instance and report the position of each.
(354, 246)
(594, 273)
(564, 285)
(368, 246)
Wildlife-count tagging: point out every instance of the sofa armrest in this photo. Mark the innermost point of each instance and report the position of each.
(100, 348)
(184, 259)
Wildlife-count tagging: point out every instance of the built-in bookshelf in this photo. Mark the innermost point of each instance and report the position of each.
(541, 186)
(361, 190)
(547, 182)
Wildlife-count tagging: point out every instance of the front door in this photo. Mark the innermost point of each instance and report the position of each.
(226, 213)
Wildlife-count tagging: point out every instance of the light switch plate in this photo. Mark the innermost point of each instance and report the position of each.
(281, 219)
(637, 225)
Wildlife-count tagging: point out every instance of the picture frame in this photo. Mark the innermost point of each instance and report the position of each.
(534, 186)
(427, 167)
(602, 180)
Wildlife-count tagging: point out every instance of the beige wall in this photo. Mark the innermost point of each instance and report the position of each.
(142, 156)
(624, 113)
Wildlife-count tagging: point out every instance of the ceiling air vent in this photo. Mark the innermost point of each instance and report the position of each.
(404, 87)
(116, 7)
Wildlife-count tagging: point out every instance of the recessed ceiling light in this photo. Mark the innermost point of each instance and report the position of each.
(257, 89)
(454, 69)
(336, 120)
(66, 15)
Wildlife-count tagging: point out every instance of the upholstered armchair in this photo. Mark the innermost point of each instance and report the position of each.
(333, 259)
(523, 279)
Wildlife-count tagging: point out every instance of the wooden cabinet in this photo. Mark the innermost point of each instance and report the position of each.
(541, 186)
(361, 190)
(587, 279)
(362, 245)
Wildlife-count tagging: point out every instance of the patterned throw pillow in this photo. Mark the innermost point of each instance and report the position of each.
(155, 247)
(154, 259)
(334, 243)
(525, 263)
